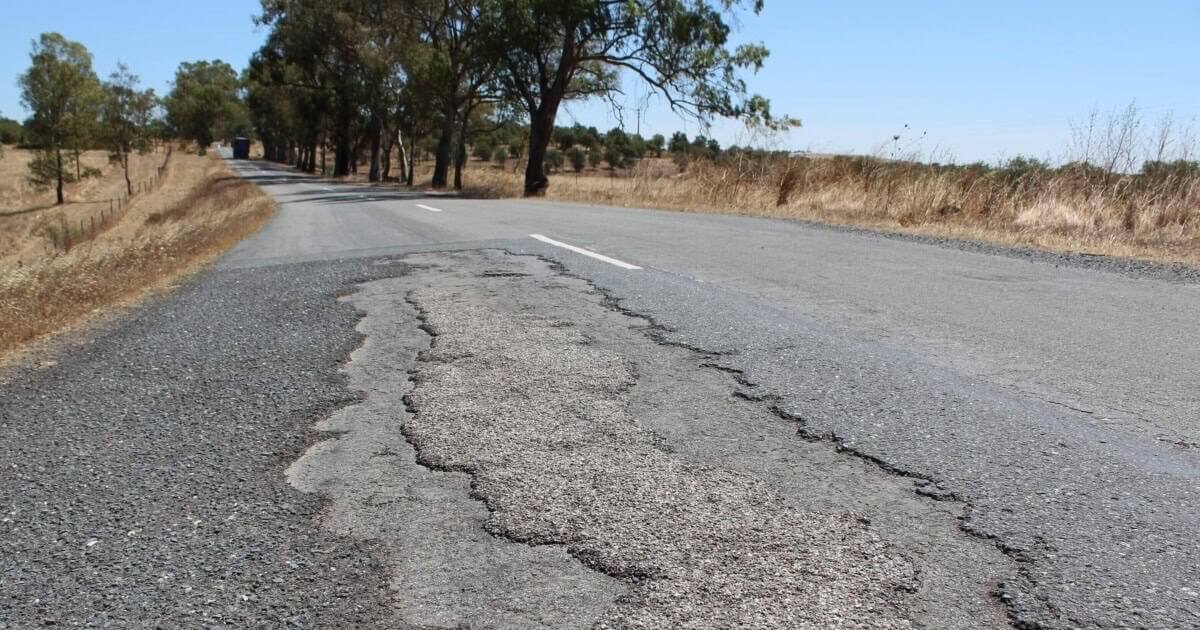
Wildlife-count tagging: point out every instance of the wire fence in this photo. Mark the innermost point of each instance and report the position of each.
(68, 232)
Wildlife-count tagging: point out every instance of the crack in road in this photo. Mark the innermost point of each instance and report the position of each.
(583, 431)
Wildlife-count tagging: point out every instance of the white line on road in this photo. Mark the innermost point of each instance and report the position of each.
(580, 250)
(429, 208)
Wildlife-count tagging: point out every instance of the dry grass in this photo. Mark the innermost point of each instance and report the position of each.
(1065, 210)
(27, 213)
(200, 210)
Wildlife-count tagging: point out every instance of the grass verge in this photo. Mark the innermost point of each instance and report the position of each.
(1152, 217)
(201, 209)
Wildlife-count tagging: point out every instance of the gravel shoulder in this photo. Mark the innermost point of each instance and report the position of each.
(141, 471)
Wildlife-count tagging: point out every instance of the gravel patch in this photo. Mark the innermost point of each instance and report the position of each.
(141, 471)
(537, 413)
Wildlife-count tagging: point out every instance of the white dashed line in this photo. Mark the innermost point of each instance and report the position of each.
(580, 250)
(429, 208)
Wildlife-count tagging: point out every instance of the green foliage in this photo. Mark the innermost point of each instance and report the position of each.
(11, 132)
(205, 104)
(127, 114)
(516, 148)
(554, 160)
(483, 150)
(594, 157)
(614, 157)
(679, 143)
(657, 144)
(500, 155)
(578, 158)
(44, 169)
(63, 93)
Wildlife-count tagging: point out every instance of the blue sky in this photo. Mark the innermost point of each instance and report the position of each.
(983, 80)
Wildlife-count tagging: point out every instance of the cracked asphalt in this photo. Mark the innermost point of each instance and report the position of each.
(371, 414)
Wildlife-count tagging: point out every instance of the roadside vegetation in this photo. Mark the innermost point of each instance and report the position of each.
(465, 95)
(102, 193)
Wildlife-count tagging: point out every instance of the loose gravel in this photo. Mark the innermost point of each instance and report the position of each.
(141, 471)
(538, 415)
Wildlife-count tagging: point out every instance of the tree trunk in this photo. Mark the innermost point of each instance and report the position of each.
(373, 173)
(441, 164)
(78, 173)
(461, 158)
(403, 155)
(125, 166)
(342, 142)
(59, 172)
(412, 154)
(541, 127)
(385, 160)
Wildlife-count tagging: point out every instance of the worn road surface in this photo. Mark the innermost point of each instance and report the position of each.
(391, 409)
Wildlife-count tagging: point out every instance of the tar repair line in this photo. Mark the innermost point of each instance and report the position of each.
(580, 250)
(429, 208)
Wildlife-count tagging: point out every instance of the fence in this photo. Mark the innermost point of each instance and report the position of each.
(72, 231)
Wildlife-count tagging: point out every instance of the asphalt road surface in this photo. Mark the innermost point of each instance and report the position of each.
(418, 411)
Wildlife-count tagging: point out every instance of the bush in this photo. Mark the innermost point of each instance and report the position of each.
(554, 160)
(614, 157)
(483, 150)
(500, 155)
(578, 158)
(11, 132)
(516, 149)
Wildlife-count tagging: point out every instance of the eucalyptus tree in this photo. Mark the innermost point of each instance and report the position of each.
(127, 115)
(461, 67)
(555, 50)
(205, 102)
(322, 41)
(63, 92)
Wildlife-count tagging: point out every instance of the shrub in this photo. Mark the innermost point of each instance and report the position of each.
(500, 155)
(554, 160)
(578, 158)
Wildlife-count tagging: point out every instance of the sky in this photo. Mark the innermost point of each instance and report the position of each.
(971, 80)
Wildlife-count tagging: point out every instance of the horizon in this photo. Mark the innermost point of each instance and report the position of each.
(959, 84)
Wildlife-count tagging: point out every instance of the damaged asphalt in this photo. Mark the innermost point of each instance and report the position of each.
(280, 442)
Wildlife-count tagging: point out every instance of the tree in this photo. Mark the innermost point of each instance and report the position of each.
(516, 148)
(614, 157)
(62, 91)
(554, 160)
(555, 50)
(483, 150)
(127, 114)
(578, 158)
(205, 102)
(500, 155)
(679, 143)
(11, 132)
(657, 144)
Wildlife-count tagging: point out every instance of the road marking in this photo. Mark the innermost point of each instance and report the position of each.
(580, 250)
(429, 208)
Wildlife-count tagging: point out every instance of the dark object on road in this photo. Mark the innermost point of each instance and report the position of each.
(241, 148)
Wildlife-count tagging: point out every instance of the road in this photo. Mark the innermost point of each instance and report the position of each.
(921, 433)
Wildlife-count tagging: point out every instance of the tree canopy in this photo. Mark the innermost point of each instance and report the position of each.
(205, 102)
(62, 91)
(375, 75)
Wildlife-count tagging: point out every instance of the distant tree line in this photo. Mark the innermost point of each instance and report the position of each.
(73, 110)
(375, 78)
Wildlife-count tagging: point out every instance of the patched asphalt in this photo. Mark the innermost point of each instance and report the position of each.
(1043, 407)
